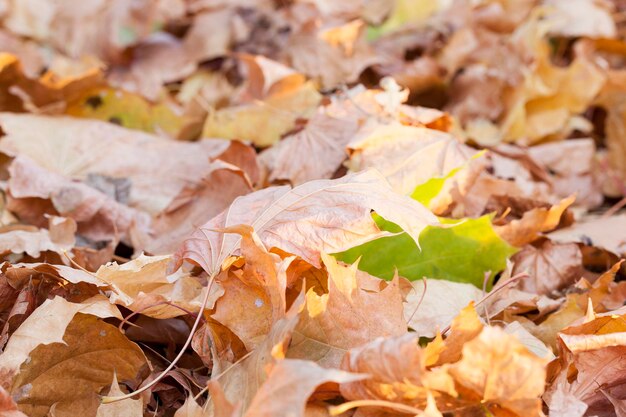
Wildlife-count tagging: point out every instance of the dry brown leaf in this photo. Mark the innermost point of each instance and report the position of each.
(539, 220)
(333, 55)
(289, 385)
(76, 148)
(190, 409)
(313, 153)
(502, 372)
(50, 92)
(194, 206)
(35, 192)
(241, 381)
(357, 309)
(46, 325)
(264, 122)
(58, 238)
(254, 297)
(143, 285)
(594, 351)
(101, 29)
(603, 232)
(581, 18)
(319, 216)
(91, 351)
(397, 367)
(550, 266)
(465, 327)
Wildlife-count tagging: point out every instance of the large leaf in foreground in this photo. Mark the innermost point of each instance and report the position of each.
(461, 253)
(319, 216)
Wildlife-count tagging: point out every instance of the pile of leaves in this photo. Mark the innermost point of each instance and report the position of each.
(312, 208)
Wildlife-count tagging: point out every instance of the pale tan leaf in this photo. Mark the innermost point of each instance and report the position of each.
(126, 408)
(407, 155)
(99, 217)
(58, 238)
(241, 381)
(254, 297)
(315, 152)
(605, 233)
(289, 385)
(76, 148)
(143, 285)
(533, 223)
(431, 307)
(190, 409)
(319, 216)
(194, 206)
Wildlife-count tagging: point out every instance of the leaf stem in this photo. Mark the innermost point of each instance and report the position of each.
(339, 409)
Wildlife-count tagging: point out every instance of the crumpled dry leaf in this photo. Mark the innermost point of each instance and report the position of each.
(397, 369)
(604, 232)
(594, 351)
(254, 297)
(101, 29)
(143, 285)
(98, 216)
(76, 148)
(240, 381)
(333, 55)
(264, 122)
(295, 380)
(550, 266)
(323, 219)
(406, 155)
(357, 309)
(194, 206)
(533, 222)
(313, 153)
(46, 325)
(58, 238)
(500, 370)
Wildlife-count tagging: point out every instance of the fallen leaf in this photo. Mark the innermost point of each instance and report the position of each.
(143, 285)
(534, 222)
(323, 219)
(550, 266)
(295, 381)
(501, 371)
(91, 351)
(47, 325)
(398, 373)
(129, 407)
(431, 305)
(464, 252)
(356, 310)
(81, 147)
(602, 232)
(406, 155)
